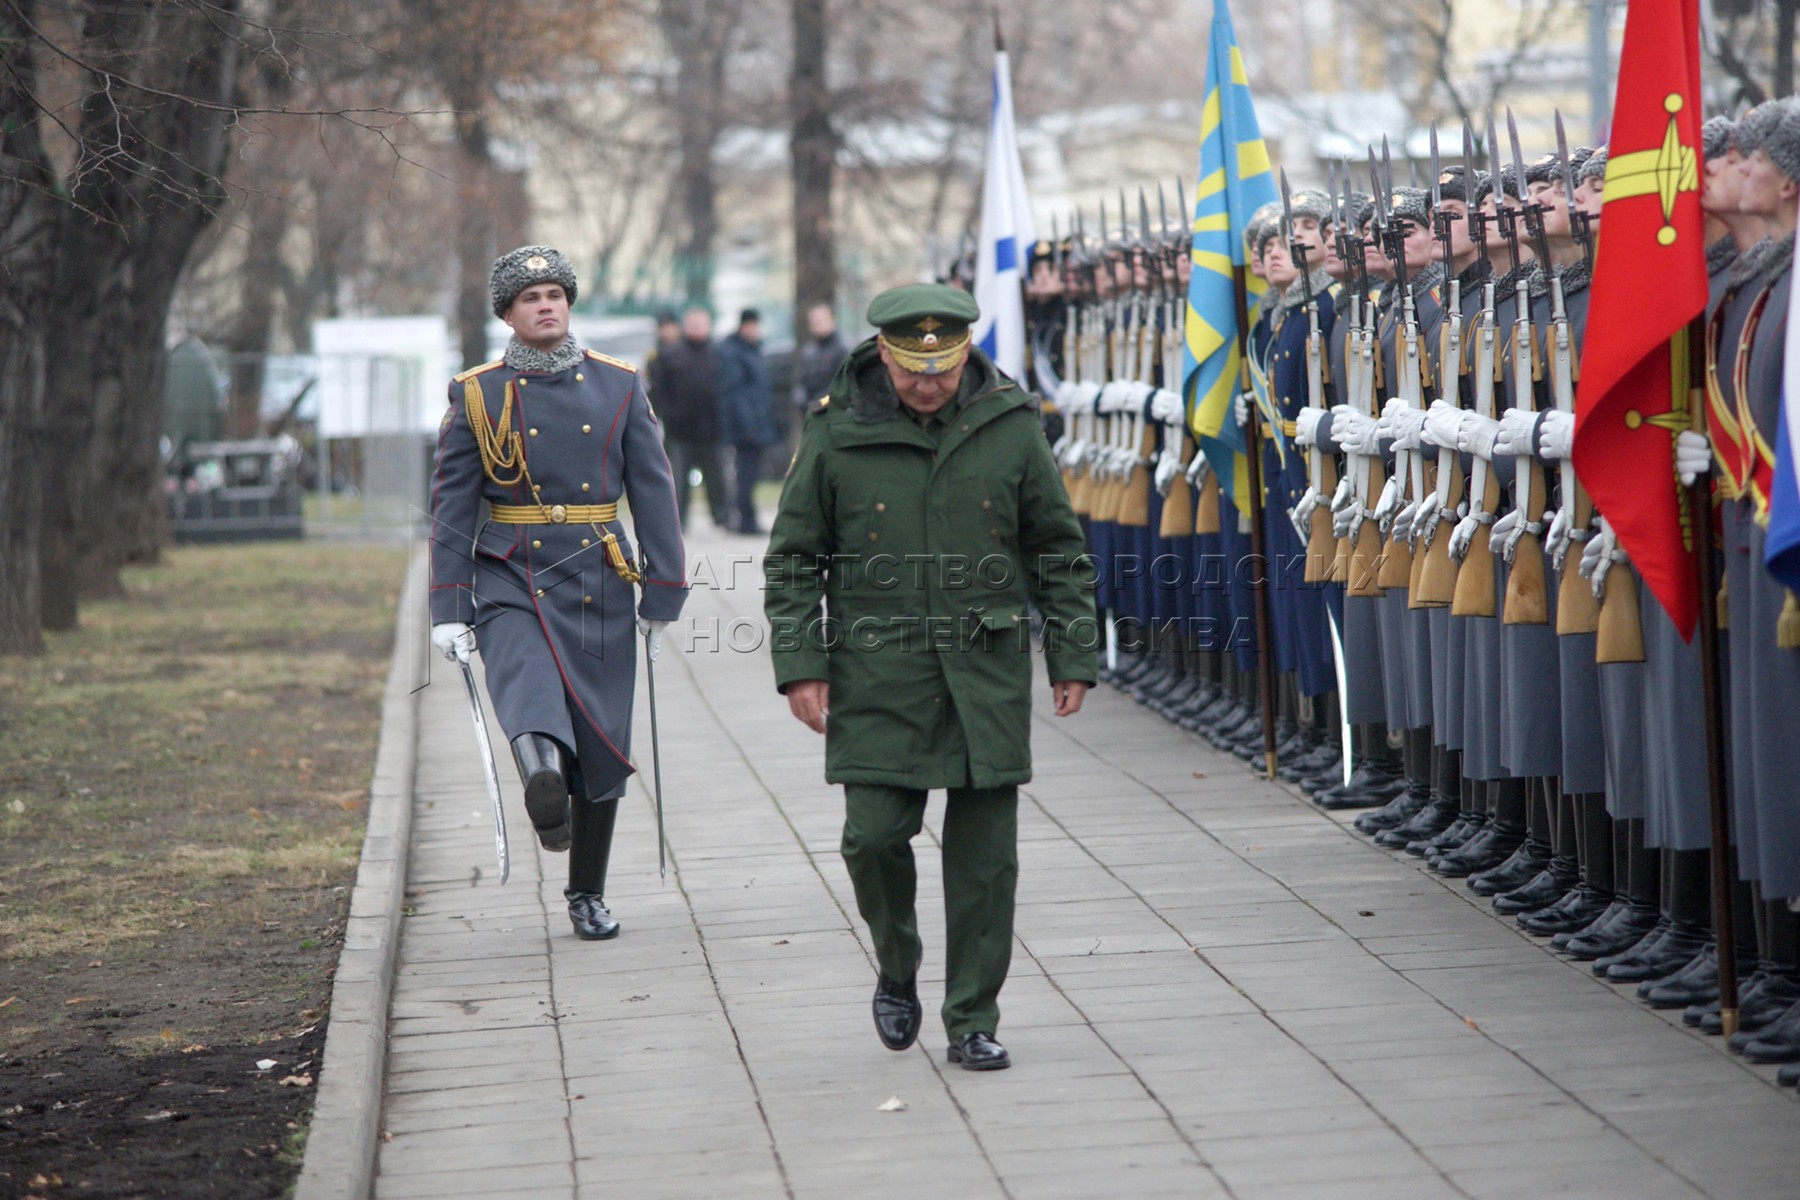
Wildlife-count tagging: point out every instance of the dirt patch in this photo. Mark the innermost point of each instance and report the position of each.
(182, 794)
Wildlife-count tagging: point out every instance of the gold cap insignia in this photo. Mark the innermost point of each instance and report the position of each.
(536, 262)
(930, 340)
(1447, 177)
(930, 323)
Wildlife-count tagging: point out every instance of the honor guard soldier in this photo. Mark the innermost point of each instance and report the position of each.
(548, 440)
(921, 517)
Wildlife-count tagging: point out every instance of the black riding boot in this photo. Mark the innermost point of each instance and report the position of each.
(543, 771)
(593, 822)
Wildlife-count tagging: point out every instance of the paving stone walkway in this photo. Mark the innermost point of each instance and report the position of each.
(1216, 991)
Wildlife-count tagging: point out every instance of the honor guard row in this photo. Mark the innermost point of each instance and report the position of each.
(1457, 642)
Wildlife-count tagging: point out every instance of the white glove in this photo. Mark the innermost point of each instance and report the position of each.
(652, 631)
(1598, 557)
(1075, 453)
(1355, 431)
(1389, 504)
(1475, 434)
(1196, 470)
(1556, 537)
(1166, 407)
(1514, 438)
(1306, 426)
(1340, 499)
(1343, 520)
(1403, 521)
(1462, 535)
(1693, 456)
(1115, 397)
(1065, 395)
(454, 640)
(1426, 518)
(1556, 438)
(1303, 511)
(1442, 420)
(1168, 466)
(1403, 423)
(1504, 536)
(1241, 409)
(1085, 398)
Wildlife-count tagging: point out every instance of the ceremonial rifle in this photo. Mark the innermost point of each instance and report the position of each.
(1475, 579)
(1365, 539)
(1527, 602)
(1321, 548)
(1409, 466)
(1437, 574)
(1577, 611)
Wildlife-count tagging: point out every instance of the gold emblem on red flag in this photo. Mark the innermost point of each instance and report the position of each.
(1667, 171)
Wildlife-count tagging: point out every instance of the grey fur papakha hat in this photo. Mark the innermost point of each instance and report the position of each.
(1715, 137)
(518, 269)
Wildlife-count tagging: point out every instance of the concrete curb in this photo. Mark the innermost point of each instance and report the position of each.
(340, 1147)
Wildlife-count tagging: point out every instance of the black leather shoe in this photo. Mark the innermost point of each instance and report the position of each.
(593, 921)
(898, 1013)
(1570, 915)
(1395, 812)
(1788, 1076)
(1777, 1043)
(1546, 888)
(1761, 1003)
(1694, 985)
(540, 761)
(1607, 939)
(1493, 846)
(979, 1052)
(1515, 871)
(1456, 834)
(1428, 822)
(1662, 958)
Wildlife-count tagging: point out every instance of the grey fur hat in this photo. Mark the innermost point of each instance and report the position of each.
(1593, 168)
(1715, 137)
(1747, 135)
(1547, 169)
(1781, 137)
(1453, 184)
(518, 269)
(1509, 185)
(1310, 202)
(1410, 204)
(1265, 223)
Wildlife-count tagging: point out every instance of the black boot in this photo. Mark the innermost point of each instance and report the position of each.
(1678, 946)
(1545, 890)
(593, 834)
(1514, 871)
(1573, 913)
(543, 771)
(1614, 938)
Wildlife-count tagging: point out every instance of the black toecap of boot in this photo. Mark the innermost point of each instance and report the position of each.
(591, 849)
(543, 771)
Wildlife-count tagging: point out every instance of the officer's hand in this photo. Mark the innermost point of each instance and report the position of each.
(652, 631)
(1693, 456)
(1306, 426)
(1355, 431)
(1426, 519)
(1302, 513)
(1403, 522)
(1389, 504)
(810, 701)
(1556, 538)
(1168, 466)
(1240, 409)
(1556, 436)
(454, 640)
(1442, 421)
(1068, 694)
(1343, 520)
(1514, 437)
(1504, 537)
(1340, 499)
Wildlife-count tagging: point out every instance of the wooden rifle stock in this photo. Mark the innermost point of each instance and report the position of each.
(1620, 628)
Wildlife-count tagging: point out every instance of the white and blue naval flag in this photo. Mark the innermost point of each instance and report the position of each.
(1781, 550)
(1007, 235)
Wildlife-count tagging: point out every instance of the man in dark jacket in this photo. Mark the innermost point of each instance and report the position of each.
(746, 412)
(823, 352)
(684, 386)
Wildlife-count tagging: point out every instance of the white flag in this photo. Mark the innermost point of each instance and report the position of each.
(1007, 235)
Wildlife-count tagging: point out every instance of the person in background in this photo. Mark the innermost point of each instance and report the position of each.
(746, 413)
(823, 352)
(684, 382)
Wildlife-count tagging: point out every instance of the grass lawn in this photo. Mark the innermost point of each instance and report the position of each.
(183, 784)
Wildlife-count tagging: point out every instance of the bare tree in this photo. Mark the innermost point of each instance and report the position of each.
(1752, 41)
(813, 145)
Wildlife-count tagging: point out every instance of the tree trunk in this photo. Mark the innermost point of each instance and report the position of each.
(699, 34)
(814, 149)
(1785, 13)
(475, 249)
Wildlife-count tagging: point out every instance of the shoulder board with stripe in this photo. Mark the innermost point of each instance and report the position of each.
(472, 372)
(610, 361)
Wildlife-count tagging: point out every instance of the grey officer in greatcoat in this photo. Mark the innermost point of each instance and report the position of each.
(529, 559)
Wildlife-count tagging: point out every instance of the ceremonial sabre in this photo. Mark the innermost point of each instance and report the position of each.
(662, 862)
(491, 775)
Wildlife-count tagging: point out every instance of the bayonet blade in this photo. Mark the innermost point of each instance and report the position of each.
(1287, 208)
(1437, 186)
(1568, 170)
(1512, 131)
(1493, 149)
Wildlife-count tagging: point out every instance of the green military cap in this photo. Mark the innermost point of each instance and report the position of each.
(925, 326)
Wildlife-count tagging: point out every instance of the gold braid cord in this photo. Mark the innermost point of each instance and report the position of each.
(502, 449)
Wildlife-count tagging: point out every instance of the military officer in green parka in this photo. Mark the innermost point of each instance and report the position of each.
(921, 516)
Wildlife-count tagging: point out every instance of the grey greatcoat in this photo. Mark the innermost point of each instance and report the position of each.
(553, 618)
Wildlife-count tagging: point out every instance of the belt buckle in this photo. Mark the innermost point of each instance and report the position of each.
(558, 514)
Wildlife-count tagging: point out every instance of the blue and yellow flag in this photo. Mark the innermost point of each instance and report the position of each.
(1235, 180)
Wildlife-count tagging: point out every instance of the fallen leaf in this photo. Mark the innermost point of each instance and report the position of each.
(782, 942)
(1199, 774)
(263, 1064)
(15, 806)
(195, 1048)
(95, 963)
(892, 1104)
(387, 1135)
(1470, 1022)
(9, 1001)
(295, 1081)
(164, 1115)
(78, 999)
(167, 1035)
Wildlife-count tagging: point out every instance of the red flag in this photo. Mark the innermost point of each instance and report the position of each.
(1649, 282)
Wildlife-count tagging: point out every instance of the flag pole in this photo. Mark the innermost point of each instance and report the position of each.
(1259, 581)
(1699, 506)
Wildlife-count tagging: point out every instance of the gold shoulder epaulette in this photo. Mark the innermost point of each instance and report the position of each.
(472, 372)
(610, 361)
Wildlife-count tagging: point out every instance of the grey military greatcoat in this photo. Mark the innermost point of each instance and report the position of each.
(554, 618)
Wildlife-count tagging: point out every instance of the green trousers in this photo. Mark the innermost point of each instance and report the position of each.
(981, 871)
